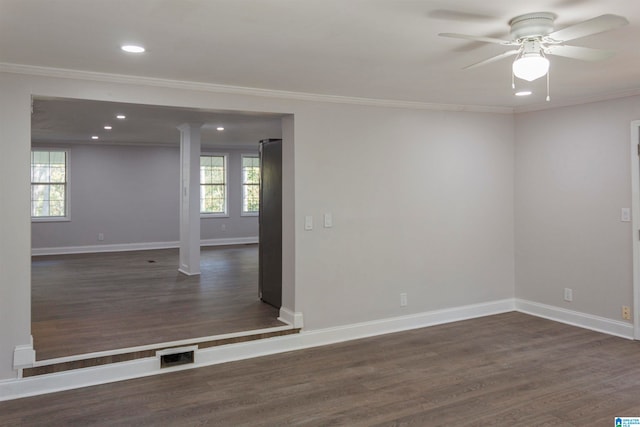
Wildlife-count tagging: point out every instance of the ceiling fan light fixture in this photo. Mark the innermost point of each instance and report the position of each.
(133, 48)
(530, 66)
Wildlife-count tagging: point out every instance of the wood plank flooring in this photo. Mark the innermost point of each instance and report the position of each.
(505, 370)
(93, 302)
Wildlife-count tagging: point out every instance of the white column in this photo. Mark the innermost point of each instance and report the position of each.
(189, 198)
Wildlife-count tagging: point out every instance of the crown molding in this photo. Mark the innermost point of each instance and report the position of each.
(577, 101)
(64, 73)
(33, 70)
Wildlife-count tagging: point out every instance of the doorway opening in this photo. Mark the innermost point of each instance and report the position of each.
(106, 274)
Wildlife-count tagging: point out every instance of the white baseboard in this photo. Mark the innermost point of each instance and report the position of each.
(170, 344)
(24, 355)
(188, 273)
(124, 247)
(576, 318)
(229, 241)
(289, 317)
(30, 386)
(405, 323)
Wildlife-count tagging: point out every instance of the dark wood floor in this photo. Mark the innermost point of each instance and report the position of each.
(94, 302)
(505, 370)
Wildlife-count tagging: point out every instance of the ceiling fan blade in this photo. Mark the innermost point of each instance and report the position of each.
(595, 25)
(493, 58)
(454, 15)
(569, 3)
(475, 38)
(576, 52)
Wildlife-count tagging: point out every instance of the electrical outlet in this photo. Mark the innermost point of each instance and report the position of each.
(568, 294)
(626, 312)
(223, 227)
(403, 299)
(100, 237)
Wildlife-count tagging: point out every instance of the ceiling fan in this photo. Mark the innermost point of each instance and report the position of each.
(532, 37)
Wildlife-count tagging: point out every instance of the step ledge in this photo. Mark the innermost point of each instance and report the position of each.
(159, 346)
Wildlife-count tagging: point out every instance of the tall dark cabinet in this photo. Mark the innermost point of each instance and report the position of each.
(270, 222)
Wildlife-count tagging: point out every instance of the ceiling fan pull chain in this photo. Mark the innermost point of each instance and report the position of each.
(548, 97)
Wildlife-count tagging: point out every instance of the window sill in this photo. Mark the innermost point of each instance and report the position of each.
(51, 219)
(220, 215)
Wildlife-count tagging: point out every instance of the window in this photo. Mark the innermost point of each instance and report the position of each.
(49, 184)
(213, 185)
(250, 185)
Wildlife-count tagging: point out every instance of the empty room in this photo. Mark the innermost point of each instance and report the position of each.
(458, 213)
(105, 270)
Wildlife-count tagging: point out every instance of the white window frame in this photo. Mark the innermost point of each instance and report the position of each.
(242, 184)
(224, 214)
(67, 186)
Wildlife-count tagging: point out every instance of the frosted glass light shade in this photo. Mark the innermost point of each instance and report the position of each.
(530, 66)
(132, 48)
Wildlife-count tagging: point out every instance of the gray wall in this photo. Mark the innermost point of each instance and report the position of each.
(130, 194)
(422, 203)
(572, 178)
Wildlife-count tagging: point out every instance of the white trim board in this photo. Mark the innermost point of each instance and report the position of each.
(31, 386)
(124, 247)
(635, 222)
(159, 346)
(66, 73)
(295, 319)
(575, 318)
(42, 384)
(24, 356)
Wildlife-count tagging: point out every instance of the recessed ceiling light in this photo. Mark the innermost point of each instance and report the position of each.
(219, 128)
(132, 48)
(121, 116)
(523, 93)
(95, 137)
(107, 127)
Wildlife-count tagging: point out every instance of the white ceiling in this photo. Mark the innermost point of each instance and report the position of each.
(74, 121)
(379, 49)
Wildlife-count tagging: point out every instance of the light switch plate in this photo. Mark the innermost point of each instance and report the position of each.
(308, 222)
(328, 220)
(625, 214)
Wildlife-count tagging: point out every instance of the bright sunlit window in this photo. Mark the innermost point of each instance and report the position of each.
(49, 174)
(213, 185)
(250, 185)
